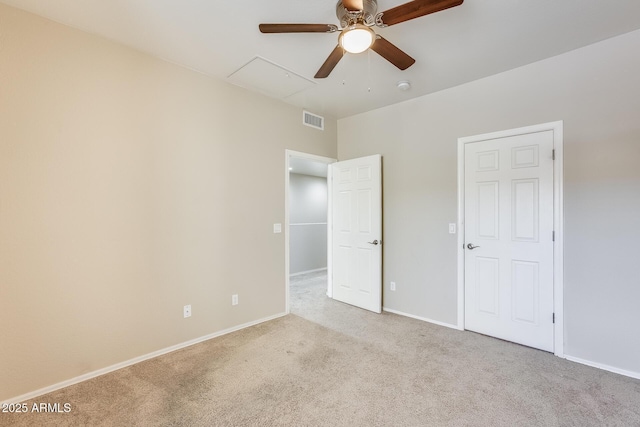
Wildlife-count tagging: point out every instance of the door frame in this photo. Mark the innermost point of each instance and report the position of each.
(288, 154)
(558, 220)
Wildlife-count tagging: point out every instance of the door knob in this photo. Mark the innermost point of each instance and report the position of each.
(470, 246)
(375, 242)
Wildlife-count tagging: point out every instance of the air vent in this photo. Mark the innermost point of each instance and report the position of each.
(312, 120)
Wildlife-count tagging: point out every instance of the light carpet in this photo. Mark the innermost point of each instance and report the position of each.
(330, 364)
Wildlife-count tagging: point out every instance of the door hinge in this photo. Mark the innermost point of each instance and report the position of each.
(553, 154)
(553, 236)
(553, 318)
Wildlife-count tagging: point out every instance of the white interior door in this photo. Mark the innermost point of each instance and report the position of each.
(356, 194)
(508, 229)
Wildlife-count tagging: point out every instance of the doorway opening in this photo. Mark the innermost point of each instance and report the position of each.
(307, 219)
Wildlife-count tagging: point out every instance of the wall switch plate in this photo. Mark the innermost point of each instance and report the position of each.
(277, 228)
(234, 299)
(393, 286)
(452, 228)
(187, 311)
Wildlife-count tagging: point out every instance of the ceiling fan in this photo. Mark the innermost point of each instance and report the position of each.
(356, 19)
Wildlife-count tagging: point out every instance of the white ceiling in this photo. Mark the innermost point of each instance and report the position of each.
(458, 45)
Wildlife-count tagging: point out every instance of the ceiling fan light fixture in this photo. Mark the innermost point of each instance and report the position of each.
(357, 39)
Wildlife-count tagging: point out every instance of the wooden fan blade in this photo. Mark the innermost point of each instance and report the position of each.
(415, 9)
(391, 53)
(297, 28)
(330, 63)
(353, 5)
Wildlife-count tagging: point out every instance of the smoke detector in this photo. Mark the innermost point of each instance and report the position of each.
(403, 85)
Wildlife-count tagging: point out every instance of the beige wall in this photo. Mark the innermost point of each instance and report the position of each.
(595, 91)
(130, 187)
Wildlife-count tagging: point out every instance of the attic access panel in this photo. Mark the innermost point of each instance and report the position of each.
(270, 79)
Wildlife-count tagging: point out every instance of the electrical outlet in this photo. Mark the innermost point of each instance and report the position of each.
(234, 299)
(393, 286)
(187, 311)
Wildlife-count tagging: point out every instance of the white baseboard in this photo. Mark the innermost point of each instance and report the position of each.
(624, 372)
(300, 273)
(117, 366)
(424, 319)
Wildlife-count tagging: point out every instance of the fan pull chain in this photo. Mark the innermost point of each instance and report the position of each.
(369, 69)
